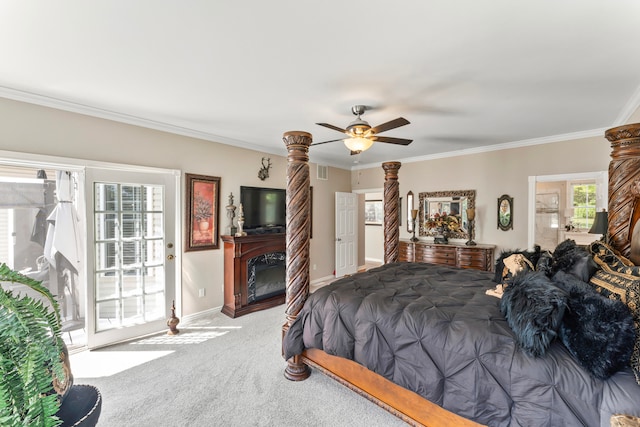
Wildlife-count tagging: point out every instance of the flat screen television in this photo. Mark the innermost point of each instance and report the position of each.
(264, 208)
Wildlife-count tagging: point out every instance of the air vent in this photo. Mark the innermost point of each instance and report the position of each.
(323, 173)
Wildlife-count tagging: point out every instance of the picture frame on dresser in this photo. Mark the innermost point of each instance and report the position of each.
(202, 212)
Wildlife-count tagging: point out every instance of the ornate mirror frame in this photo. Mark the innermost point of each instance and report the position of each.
(505, 212)
(452, 196)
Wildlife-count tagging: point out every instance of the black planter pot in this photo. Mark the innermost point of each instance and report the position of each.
(81, 407)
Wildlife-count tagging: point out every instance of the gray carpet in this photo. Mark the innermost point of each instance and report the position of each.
(220, 371)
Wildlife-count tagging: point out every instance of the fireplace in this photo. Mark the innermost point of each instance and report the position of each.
(266, 276)
(254, 272)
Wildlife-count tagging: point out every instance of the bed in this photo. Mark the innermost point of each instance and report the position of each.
(427, 342)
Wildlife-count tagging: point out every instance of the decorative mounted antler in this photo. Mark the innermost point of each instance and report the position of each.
(263, 173)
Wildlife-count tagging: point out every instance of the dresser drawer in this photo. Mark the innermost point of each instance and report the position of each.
(436, 254)
(449, 251)
(479, 257)
(434, 259)
(405, 252)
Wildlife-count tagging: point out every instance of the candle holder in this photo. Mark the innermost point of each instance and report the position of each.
(471, 216)
(414, 216)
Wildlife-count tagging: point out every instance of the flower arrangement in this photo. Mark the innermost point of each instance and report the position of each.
(202, 208)
(443, 221)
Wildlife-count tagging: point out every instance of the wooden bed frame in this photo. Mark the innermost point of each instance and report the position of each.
(624, 211)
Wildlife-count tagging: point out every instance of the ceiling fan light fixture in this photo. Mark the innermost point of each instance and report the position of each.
(358, 144)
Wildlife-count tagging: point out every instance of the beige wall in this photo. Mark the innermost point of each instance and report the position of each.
(29, 128)
(492, 174)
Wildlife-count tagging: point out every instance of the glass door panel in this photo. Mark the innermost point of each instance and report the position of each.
(133, 268)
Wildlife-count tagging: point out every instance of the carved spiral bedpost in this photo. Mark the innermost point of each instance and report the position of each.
(298, 229)
(391, 214)
(624, 175)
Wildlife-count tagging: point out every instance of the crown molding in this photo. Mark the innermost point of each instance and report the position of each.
(74, 107)
(627, 111)
(497, 147)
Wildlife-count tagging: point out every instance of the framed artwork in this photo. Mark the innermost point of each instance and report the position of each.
(373, 212)
(203, 208)
(505, 212)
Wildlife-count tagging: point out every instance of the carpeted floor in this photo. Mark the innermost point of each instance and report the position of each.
(217, 371)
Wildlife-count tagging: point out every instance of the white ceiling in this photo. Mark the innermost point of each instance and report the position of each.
(465, 73)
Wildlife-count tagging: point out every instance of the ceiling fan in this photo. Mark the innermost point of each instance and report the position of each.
(361, 136)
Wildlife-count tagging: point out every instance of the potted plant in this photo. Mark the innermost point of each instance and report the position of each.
(442, 223)
(202, 212)
(35, 374)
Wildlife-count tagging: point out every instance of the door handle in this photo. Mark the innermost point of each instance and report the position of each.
(338, 239)
(170, 257)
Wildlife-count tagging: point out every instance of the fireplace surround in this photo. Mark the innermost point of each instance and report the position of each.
(254, 272)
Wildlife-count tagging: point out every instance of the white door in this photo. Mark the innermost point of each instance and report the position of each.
(346, 234)
(131, 247)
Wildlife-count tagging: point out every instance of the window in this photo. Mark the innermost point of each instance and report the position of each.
(583, 200)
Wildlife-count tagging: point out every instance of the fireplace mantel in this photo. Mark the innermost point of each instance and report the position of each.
(238, 251)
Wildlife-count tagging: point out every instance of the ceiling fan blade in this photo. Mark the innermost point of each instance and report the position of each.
(400, 121)
(324, 142)
(327, 125)
(391, 140)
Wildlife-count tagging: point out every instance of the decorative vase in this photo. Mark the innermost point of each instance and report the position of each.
(442, 236)
(203, 225)
(172, 322)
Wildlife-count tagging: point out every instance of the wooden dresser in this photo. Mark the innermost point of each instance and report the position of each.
(480, 257)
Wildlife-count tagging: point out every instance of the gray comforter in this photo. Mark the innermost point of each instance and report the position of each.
(433, 330)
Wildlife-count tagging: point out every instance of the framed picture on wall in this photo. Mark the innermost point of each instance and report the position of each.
(373, 212)
(505, 212)
(203, 206)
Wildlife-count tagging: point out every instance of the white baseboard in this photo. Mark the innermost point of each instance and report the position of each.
(322, 279)
(195, 316)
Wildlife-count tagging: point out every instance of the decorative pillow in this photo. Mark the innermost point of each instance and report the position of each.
(571, 258)
(604, 254)
(544, 263)
(619, 280)
(597, 331)
(533, 307)
(502, 274)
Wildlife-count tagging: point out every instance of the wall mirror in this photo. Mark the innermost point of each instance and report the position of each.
(409, 209)
(450, 202)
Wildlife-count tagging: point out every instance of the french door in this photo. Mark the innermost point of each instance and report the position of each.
(131, 247)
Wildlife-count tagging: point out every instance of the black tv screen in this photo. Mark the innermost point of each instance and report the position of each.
(263, 207)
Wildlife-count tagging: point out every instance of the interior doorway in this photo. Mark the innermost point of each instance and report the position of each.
(557, 212)
(374, 227)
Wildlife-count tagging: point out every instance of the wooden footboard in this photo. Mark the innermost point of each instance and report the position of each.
(405, 404)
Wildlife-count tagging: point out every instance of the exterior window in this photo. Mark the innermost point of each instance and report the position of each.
(583, 197)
